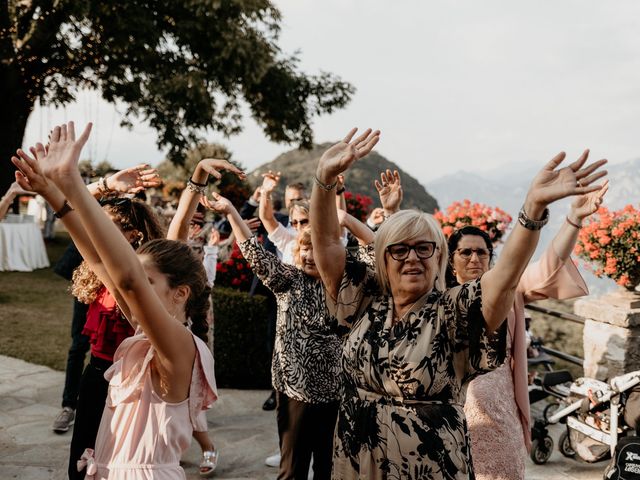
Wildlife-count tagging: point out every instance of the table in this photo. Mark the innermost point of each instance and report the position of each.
(21, 247)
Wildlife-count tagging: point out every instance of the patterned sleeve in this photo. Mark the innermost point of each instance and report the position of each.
(482, 351)
(275, 275)
(367, 255)
(357, 287)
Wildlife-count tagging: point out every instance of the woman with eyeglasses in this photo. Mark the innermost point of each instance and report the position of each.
(305, 370)
(501, 423)
(414, 345)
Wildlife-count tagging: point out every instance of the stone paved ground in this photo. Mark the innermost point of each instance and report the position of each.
(29, 450)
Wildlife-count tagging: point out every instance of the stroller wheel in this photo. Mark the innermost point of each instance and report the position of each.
(541, 450)
(550, 410)
(564, 445)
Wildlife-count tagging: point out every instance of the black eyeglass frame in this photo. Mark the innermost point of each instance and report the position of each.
(402, 258)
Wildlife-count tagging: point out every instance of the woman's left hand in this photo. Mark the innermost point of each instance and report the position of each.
(29, 175)
(340, 156)
(218, 203)
(213, 165)
(134, 179)
(588, 204)
(552, 184)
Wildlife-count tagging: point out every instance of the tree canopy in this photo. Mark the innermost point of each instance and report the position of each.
(185, 67)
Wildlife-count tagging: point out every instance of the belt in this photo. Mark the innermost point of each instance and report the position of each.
(401, 401)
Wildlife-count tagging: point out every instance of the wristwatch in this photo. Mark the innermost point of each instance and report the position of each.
(531, 224)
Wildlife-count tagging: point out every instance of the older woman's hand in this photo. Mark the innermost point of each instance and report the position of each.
(552, 184)
(218, 203)
(339, 157)
(588, 204)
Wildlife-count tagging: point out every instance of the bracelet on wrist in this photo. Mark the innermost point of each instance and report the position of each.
(531, 224)
(340, 191)
(203, 185)
(102, 185)
(66, 208)
(325, 186)
(573, 224)
(195, 187)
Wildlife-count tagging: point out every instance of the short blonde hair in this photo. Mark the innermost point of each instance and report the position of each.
(304, 239)
(410, 225)
(301, 205)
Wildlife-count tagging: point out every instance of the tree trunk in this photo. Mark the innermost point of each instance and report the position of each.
(16, 108)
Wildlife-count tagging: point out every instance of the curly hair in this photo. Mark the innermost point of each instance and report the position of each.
(181, 266)
(304, 239)
(128, 214)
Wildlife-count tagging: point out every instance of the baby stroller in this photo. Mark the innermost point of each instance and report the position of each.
(597, 415)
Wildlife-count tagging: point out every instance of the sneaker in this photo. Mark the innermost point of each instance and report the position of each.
(209, 463)
(273, 460)
(64, 420)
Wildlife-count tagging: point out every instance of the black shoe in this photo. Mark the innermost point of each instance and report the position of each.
(270, 403)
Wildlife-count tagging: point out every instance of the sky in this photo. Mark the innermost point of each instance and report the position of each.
(453, 85)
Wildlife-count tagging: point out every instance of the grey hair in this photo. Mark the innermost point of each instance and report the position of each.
(410, 225)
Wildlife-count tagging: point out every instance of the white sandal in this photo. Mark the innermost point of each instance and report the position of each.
(209, 463)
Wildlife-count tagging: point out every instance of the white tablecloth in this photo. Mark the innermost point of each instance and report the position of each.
(21, 247)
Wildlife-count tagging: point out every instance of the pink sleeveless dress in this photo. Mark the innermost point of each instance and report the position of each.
(141, 436)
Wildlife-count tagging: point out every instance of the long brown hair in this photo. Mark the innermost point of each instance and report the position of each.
(129, 214)
(181, 266)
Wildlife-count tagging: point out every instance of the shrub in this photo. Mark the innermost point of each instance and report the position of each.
(494, 221)
(240, 339)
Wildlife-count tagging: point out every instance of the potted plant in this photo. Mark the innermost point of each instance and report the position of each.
(492, 220)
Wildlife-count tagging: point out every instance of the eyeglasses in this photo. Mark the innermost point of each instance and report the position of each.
(302, 222)
(467, 253)
(400, 251)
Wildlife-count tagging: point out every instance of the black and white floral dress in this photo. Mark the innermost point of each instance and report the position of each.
(307, 351)
(401, 415)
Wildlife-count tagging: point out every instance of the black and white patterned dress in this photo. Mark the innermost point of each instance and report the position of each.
(307, 351)
(401, 415)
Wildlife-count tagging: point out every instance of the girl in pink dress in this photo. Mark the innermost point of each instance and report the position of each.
(162, 377)
(499, 424)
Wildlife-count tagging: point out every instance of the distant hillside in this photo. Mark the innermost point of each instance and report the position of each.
(300, 165)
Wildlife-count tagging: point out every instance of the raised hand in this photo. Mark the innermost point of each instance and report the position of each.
(218, 203)
(588, 204)
(341, 156)
(376, 217)
(29, 175)
(552, 184)
(270, 181)
(134, 179)
(214, 238)
(390, 190)
(252, 223)
(60, 160)
(213, 166)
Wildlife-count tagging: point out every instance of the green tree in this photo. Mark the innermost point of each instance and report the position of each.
(185, 67)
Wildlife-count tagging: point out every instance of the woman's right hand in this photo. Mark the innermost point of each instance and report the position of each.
(218, 204)
(29, 175)
(340, 156)
(213, 165)
(552, 184)
(270, 181)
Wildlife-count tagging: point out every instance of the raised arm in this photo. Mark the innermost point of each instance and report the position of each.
(220, 204)
(328, 250)
(552, 183)
(582, 207)
(363, 234)
(31, 178)
(128, 181)
(390, 191)
(173, 343)
(179, 227)
(7, 199)
(265, 209)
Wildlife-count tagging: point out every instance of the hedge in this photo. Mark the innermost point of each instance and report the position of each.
(240, 339)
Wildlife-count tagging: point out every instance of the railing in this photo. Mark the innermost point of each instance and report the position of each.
(565, 316)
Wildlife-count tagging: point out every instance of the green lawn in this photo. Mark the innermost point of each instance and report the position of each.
(35, 313)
